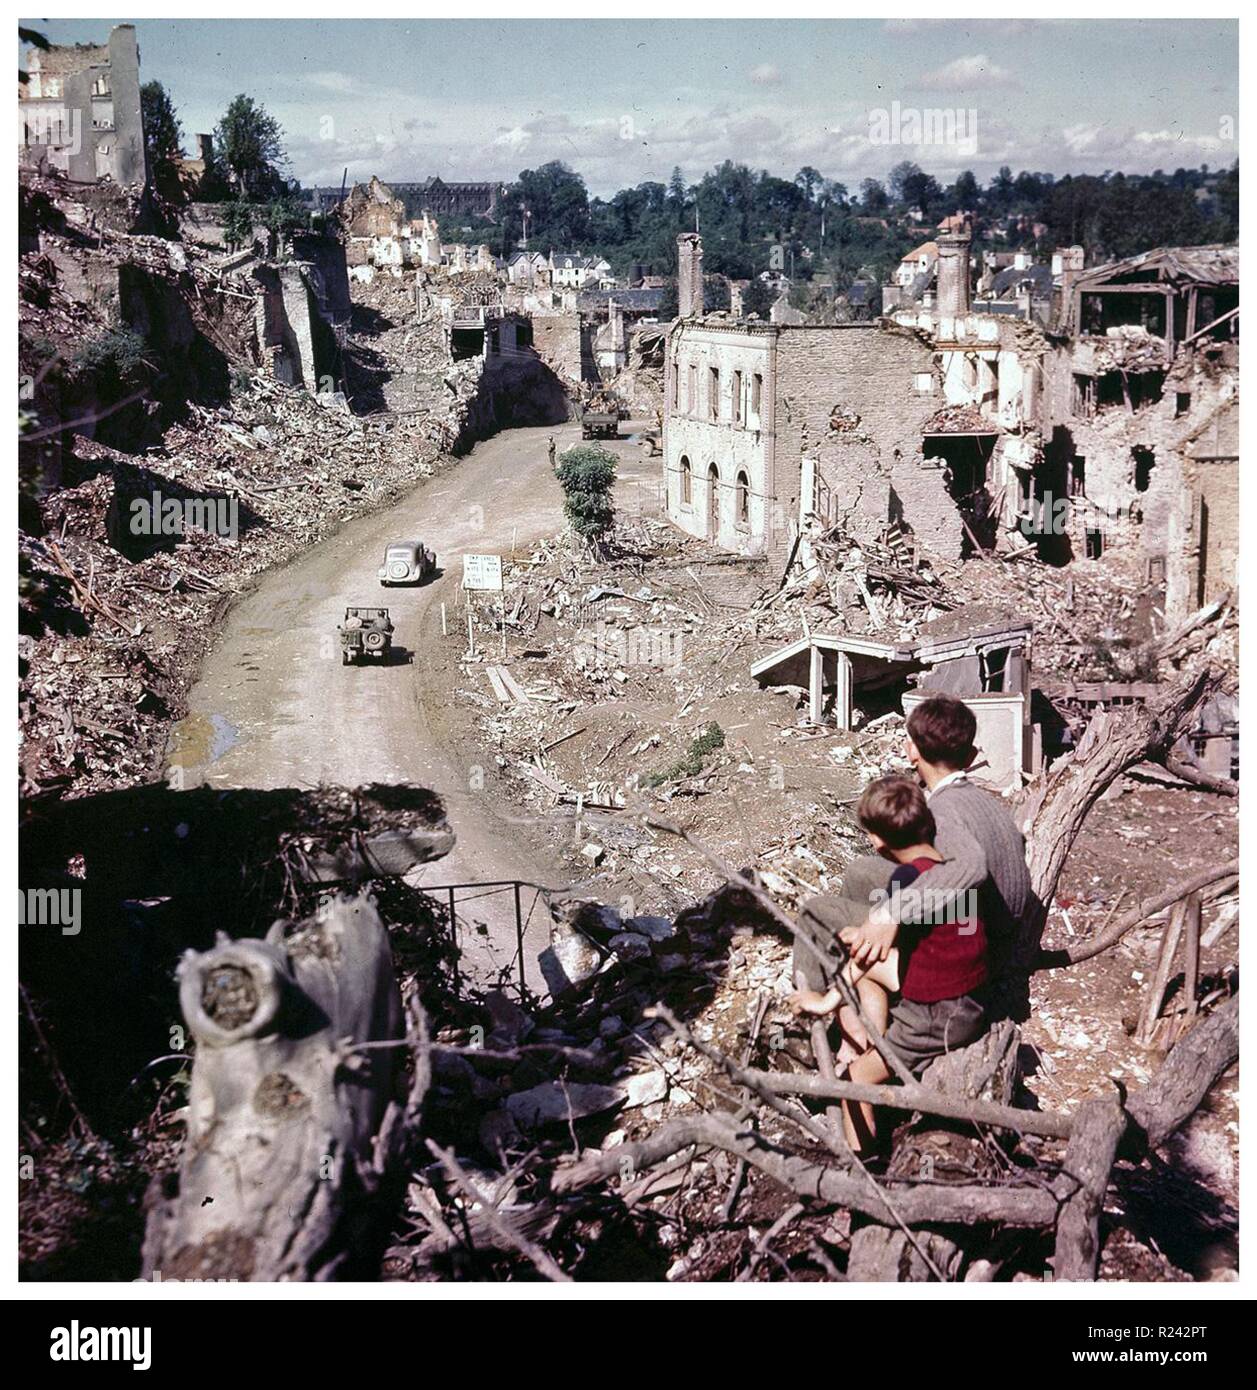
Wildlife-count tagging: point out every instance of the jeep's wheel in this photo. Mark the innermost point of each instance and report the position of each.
(374, 641)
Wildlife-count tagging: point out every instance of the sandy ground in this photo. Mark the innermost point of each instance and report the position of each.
(274, 707)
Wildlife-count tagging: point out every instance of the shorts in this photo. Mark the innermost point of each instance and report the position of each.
(921, 1032)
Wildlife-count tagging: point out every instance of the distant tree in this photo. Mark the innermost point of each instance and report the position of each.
(163, 135)
(873, 195)
(281, 217)
(586, 474)
(249, 142)
(809, 180)
(966, 191)
(558, 207)
(677, 195)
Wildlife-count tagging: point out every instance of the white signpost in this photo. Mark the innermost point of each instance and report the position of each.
(482, 572)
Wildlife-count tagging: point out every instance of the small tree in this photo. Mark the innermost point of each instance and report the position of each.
(586, 474)
(248, 141)
(238, 224)
(163, 135)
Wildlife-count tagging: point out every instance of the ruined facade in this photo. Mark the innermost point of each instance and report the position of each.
(80, 111)
(1109, 428)
(772, 428)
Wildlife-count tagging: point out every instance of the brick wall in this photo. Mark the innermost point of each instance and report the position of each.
(869, 376)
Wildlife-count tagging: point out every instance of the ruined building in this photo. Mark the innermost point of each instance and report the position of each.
(80, 111)
(1112, 426)
(443, 199)
(769, 428)
(1138, 418)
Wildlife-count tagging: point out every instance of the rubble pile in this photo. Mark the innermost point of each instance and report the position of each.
(519, 1092)
(110, 639)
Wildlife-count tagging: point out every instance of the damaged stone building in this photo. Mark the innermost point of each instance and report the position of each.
(772, 428)
(1139, 416)
(79, 111)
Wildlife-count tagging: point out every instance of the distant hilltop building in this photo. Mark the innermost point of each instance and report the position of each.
(80, 111)
(450, 199)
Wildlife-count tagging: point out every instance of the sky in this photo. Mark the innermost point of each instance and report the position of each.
(625, 101)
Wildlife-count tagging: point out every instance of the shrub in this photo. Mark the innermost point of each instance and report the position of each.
(116, 357)
(691, 763)
(586, 474)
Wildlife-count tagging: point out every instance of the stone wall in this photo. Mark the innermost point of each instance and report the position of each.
(856, 398)
(700, 434)
(561, 345)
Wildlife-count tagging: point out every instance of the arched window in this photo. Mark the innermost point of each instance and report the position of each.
(743, 499)
(687, 490)
(713, 500)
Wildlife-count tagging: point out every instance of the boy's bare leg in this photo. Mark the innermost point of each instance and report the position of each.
(874, 988)
(858, 1123)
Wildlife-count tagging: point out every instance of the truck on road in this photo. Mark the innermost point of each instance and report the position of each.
(365, 633)
(600, 417)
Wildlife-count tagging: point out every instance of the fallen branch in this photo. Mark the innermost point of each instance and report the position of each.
(540, 1261)
(1031, 1205)
(919, 1098)
(1072, 955)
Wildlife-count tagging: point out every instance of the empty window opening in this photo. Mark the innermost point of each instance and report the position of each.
(1144, 461)
(966, 458)
(1182, 403)
(994, 670)
(1095, 544)
(1078, 476)
(687, 482)
(743, 497)
(713, 500)
(713, 393)
(1134, 390)
(737, 398)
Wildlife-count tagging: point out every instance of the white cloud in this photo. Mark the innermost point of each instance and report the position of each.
(966, 75)
(766, 75)
(331, 82)
(517, 138)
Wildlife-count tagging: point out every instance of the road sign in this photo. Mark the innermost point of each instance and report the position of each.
(482, 572)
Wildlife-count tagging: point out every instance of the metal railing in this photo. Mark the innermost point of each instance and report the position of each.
(449, 892)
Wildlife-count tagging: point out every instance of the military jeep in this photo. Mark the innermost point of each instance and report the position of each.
(365, 633)
(406, 562)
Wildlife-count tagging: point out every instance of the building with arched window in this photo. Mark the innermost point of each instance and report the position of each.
(785, 420)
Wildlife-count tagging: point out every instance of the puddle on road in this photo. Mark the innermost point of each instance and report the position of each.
(200, 740)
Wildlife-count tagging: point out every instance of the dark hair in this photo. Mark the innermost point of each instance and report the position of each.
(943, 729)
(894, 809)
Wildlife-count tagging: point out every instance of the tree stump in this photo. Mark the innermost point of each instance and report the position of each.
(292, 1124)
(928, 1147)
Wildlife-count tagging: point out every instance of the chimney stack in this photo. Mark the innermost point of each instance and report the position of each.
(1068, 263)
(689, 275)
(952, 298)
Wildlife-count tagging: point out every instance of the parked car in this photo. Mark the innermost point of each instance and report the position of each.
(365, 633)
(406, 562)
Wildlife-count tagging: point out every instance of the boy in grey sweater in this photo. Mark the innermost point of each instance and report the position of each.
(983, 852)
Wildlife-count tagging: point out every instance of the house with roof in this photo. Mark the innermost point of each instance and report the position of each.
(574, 270)
(919, 262)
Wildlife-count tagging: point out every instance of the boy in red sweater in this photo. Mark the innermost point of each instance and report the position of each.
(937, 969)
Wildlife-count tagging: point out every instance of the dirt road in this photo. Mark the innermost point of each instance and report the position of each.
(274, 707)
